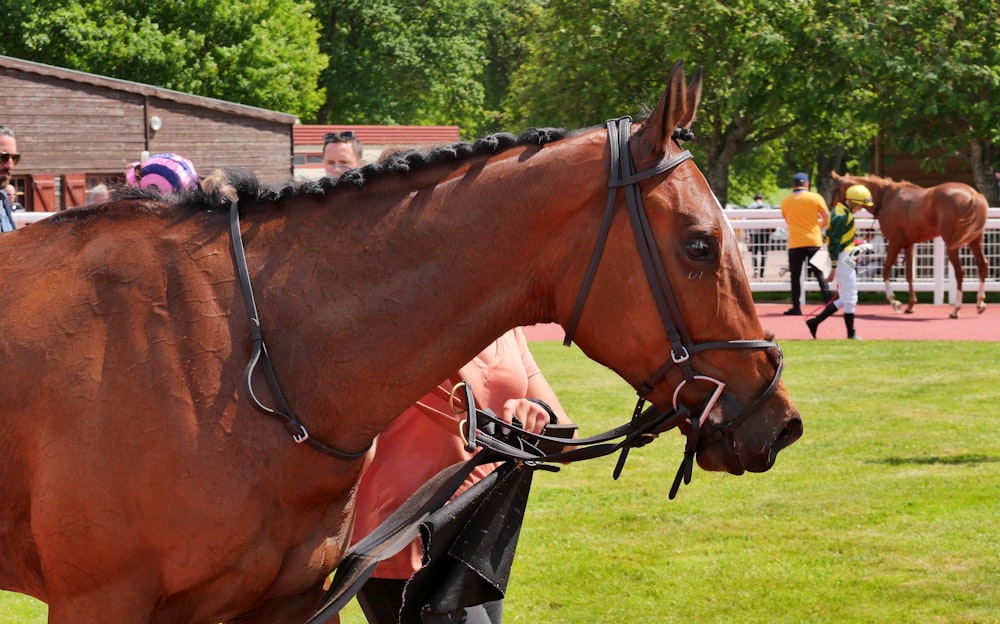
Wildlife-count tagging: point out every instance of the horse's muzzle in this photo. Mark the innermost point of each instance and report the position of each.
(749, 448)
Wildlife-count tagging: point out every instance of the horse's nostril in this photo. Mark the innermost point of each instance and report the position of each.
(791, 432)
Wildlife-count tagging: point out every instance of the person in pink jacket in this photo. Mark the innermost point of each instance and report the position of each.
(415, 447)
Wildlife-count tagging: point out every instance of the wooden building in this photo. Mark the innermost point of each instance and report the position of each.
(76, 130)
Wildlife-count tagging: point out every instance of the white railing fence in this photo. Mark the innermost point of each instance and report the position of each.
(762, 235)
(22, 218)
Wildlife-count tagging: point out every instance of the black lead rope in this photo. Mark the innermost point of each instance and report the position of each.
(259, 355)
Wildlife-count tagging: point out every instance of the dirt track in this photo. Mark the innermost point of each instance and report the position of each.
(872, 322)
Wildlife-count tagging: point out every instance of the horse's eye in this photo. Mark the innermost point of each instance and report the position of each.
(697, 248)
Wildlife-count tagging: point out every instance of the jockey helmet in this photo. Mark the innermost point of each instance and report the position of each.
(859, 194)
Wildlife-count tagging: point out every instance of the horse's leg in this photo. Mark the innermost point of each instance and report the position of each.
(891, 253)
(983, 266)
(956, 266)
(909, 279)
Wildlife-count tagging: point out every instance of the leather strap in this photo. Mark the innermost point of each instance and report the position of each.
(259, 355)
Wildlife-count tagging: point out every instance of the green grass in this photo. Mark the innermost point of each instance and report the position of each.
(886, 511)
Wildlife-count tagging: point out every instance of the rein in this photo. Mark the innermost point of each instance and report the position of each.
(283, 412)
(624, 176)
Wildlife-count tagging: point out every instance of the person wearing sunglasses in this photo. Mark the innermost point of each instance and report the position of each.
(342, 151)
(8, 159)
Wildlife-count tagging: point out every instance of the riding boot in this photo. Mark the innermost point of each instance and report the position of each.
(814, 322)
(828, 295)
(849, 322)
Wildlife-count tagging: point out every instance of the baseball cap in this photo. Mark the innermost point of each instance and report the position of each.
(801, 178)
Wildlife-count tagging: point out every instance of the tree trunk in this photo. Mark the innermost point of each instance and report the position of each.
(981, 162)
(825, 164)
(720, 150)
(718, 178)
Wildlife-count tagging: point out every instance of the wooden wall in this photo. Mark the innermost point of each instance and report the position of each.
(905, 167)
(72, 126)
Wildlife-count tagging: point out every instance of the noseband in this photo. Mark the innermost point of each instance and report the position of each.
(682, 348)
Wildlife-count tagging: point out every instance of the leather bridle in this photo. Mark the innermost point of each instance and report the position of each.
(682, 348)
(646, 422)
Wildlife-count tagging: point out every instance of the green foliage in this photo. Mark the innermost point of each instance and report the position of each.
(588, 61)
(804, 85)
(942, 68)
(608, 57)
(261, 52)
(429, 62)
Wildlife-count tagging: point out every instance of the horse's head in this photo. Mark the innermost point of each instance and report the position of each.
(689, 339)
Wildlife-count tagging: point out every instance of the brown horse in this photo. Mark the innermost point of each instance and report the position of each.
(909, 214)
(139, 483)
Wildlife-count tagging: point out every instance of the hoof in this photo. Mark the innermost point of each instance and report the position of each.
(909, 311)
(954, 314)
(981, 307)
(896, 306)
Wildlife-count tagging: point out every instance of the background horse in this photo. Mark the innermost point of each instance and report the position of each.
(141, 485)
(909, 214)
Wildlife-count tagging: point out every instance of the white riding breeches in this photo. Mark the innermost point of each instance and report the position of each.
(847, 283)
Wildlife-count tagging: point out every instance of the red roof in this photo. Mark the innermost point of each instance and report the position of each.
(312, 134)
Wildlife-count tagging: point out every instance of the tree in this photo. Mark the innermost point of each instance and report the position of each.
(408, 62)
(260, 52)
(758, 73)
(814, 81)
(938, 79)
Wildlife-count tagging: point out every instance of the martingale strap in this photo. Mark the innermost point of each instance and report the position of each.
(259, 355)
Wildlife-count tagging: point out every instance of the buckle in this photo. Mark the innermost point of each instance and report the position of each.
(302, 435)
(682, 358)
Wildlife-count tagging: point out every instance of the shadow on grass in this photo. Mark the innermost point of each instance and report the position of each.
(952, 460)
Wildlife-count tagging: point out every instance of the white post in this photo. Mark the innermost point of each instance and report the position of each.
(941, 273)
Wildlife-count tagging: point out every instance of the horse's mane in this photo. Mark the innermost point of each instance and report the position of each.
(405, 161)
(883, 183)
(245, 184)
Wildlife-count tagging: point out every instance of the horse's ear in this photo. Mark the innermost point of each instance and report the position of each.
(833, 174)
(693, 100)
(676, 109)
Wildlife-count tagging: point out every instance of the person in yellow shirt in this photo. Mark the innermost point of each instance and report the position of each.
(806, 214)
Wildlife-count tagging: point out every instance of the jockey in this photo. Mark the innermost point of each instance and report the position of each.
(844, 253)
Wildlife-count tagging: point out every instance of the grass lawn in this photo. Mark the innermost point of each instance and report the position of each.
(886, 511)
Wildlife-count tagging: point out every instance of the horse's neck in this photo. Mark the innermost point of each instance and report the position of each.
(408, 288)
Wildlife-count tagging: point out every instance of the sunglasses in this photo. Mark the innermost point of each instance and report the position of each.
(344, 136)
(4, 157)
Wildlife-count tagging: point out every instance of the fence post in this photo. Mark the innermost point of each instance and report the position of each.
(942, 273)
